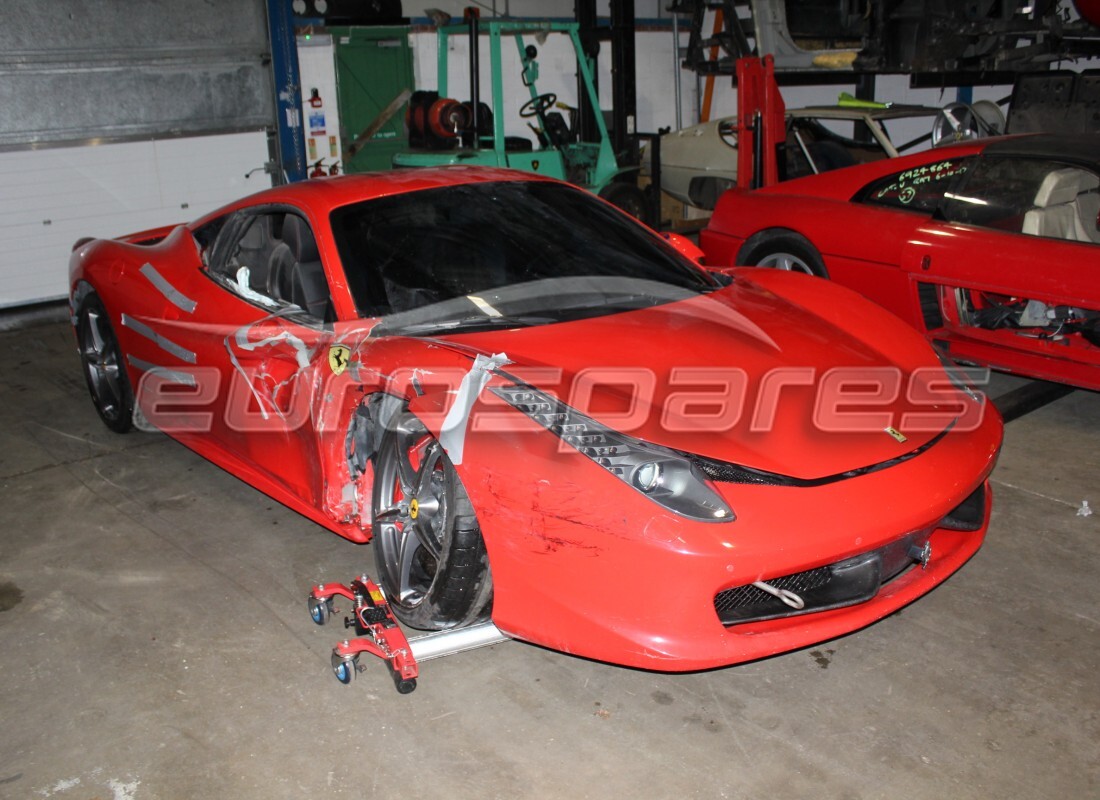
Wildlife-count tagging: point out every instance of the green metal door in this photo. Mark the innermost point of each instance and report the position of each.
(373, 66)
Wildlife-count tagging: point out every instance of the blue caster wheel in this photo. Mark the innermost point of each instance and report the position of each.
(344, 668)
(319, 610)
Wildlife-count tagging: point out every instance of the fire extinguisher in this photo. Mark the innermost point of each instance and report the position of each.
(318, 169)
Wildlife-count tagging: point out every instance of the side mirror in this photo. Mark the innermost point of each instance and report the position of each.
(685, 246)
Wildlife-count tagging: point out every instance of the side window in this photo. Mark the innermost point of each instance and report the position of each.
(1031, 196)
(916, 189)
(272, 259)
(207, 235)
(820, 145)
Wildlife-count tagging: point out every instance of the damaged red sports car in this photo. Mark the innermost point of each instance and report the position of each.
(546, 415)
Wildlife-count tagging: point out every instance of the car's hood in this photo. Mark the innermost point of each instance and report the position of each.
(768, 357)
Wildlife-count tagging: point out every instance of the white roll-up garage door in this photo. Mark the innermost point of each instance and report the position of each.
(119, 117)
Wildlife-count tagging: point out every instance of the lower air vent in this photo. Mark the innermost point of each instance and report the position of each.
(843, 583)
(969, 514)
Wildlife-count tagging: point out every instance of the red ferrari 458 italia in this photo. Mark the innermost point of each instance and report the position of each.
(544, 414)
(989, 248)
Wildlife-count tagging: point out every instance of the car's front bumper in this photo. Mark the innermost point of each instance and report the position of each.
(583, 564)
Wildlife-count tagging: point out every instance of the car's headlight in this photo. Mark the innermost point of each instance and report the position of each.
(664, 476)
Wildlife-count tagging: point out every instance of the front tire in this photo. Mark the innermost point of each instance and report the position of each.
(781, 249)
(427, 542)
(104, 365)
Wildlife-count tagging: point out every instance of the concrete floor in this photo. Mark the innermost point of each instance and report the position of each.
(154, 644)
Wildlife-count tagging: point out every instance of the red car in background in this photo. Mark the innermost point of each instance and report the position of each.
(990, 248)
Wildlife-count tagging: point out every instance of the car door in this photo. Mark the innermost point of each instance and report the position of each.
(262, 340)
(870, 247)
(1019, 227)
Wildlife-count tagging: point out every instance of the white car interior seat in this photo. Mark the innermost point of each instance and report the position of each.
(1065, 206)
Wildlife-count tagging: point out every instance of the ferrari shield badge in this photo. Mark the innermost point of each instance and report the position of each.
(901, 437)
(338, 358)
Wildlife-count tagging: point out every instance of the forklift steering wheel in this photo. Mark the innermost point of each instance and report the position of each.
(537, 106)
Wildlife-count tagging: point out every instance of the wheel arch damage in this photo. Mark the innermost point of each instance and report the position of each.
(380, 381)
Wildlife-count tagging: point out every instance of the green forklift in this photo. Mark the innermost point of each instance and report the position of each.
(446, 131)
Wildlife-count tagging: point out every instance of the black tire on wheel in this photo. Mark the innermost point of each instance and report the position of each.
(104, 365)
(782, 249)
(428, 548)
(627, 197)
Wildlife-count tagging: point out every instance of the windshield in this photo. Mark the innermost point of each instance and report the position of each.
(507, 253)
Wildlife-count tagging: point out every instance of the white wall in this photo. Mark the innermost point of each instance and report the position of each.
(657, 68)
(50, 198)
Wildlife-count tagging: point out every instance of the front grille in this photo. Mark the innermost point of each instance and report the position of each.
(746, 596)
(842, 583)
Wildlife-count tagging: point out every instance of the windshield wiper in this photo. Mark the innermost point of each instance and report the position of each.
(471, 322)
